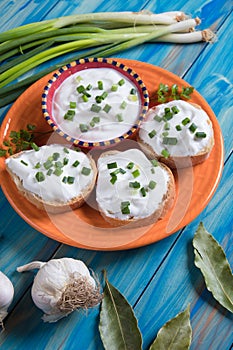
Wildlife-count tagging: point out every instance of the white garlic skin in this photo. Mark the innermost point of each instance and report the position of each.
(51, 281)
(52, 278)
(6, 295)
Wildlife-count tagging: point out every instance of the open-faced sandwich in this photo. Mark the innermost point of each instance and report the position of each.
(53, 177)
(132, 189)
(178, 133)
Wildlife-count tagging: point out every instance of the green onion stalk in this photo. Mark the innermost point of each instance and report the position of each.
(89, 35)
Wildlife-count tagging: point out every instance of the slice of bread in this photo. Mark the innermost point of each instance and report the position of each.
(131, 189)
(54, 178)
(177, 133)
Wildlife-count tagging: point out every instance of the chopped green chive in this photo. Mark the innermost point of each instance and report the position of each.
(152, 170)
(35, 147)
(58, 164)
(84, 98)
(152, 134)
(123, 105)
(125, 207)
(104, 95)
(133, 91)
(65, 161)
(165, 153)
(170, 140)
(23, 162)
(70, 180)
(132, 98)
(165, 133)
(64, 179)
(158, 118)
(58, 171)
(119, 117)
(175, 110)
(49, 172)
(114, 87)
(107, 108)
(200, 135)
(193, 127)
(168, 116)
(143, 191)
(112, 165)
(95, 108)
(89, 87)
(100, 85)
(178, 128)
(80, 89)
(98, 99)
(121, 82)
(154, 162)
(73, 104)
(113, 179)
(37, 166)
(134, 184)
(40, 176)
(69, 117)
(152, 185)
(56, 155)
(185, 121)
(86, 171)
(48, 164)
(76, 163)
(167, 126)
(115, 172)
(136, 173)
(78, 78)
(130, 165)
(92, 124)
(96, 119)
(83, 127)
(122, 171)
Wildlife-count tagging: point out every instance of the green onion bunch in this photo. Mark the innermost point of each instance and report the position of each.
(92, 34)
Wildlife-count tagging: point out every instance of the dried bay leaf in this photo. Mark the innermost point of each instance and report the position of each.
(118, 325)
(210, 258)
(176, 334)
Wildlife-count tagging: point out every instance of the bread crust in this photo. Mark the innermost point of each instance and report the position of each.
(54, 207)
(176, 162)
(165, 205)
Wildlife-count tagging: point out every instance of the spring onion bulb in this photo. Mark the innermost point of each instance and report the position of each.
(6, 295)
(188, 38)
(62, 286)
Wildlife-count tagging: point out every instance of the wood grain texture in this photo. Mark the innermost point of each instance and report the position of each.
(180, 282)
(159, 280)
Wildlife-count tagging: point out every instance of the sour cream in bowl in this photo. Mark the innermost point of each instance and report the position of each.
(95, 102)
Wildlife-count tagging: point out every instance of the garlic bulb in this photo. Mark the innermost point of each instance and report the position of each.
(62, 286)
(6, 295)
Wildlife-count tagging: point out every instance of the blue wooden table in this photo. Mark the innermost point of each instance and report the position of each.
(159, 280)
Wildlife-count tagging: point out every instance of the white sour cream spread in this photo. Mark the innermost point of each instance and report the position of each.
(180, 129)
(55, 187)
(113, 123)
(111, 196)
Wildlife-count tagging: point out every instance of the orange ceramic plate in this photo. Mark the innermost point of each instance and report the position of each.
(84, 227)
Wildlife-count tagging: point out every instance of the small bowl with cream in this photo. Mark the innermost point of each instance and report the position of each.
(95, 102)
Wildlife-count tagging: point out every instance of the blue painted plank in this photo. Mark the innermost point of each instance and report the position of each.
(18, 243)
(178, 282)
(121, 266)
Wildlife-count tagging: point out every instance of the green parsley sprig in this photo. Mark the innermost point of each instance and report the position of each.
(19, 141)
(167, 93)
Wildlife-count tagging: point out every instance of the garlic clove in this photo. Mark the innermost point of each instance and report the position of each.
(6, 295)
(62, 286)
